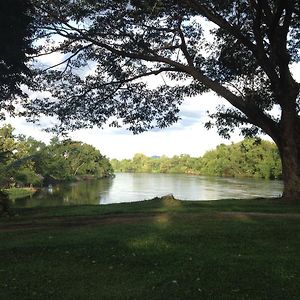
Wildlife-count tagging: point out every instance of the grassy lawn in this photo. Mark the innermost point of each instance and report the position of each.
(174, 250)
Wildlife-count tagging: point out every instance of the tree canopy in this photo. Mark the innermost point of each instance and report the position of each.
(16, 34)
(247, 61)
(248, 158)
(25, 161)
(242, 50)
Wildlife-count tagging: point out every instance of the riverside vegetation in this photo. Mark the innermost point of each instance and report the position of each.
(26, 162)
(172, 250)
(249, 58)
(249, 158)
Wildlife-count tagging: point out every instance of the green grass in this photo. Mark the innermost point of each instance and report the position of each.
(153, 206)
(189, 251)
(15, 193)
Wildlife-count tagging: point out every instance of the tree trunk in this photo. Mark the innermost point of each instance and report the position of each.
(4, 204)
(291, 176)
(289, 148)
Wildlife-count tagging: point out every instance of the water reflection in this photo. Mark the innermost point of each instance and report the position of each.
(135, 187)
(128, 187)
(83, 192)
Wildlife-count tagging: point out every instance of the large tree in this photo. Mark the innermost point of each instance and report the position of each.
(16, 34)
(240, 49)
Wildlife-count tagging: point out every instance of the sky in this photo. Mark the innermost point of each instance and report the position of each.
(187, 136)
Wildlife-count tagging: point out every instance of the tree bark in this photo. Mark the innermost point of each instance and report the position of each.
(291, 174)
(289, 148)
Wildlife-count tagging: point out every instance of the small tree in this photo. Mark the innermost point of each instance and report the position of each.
(246, 59)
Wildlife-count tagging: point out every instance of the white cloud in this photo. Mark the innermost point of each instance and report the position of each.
(50, 59)
(295, 69)
(188, 136)
(28, 129)
(193, 140)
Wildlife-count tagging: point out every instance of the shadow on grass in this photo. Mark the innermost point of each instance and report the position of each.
(171, 256)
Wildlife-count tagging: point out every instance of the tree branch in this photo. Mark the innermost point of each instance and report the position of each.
(254, 113)
(235, 31)
(257, 30)
(222, 23)
(184, 47)
(54, 49)
(154, 72)
(265, 7)
(236, 101)
(67, 60)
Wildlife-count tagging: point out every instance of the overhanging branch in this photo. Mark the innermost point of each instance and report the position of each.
(131, 79)
(235, 31)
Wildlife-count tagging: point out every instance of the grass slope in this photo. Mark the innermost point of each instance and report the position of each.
(15, 193)
(184, 250)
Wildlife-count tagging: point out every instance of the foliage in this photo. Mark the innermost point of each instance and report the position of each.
(241, 50)
(7, 148)
(16, 34)
(26, 162)
(63, 160)
(15, 193)
(247, 159)
(250, 158)
(247, 60)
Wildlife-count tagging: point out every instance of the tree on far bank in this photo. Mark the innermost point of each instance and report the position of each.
(66, 159)
(25, 161)
(246, 58)
(250, 158)
(7, 149)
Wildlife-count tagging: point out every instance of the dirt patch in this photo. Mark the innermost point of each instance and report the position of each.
(159, 218)
(69, 222)
(245, 215)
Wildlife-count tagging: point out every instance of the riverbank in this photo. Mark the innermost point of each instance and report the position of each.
(162, 248)
(16, 193)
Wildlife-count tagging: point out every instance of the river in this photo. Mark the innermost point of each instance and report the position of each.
(130, 187)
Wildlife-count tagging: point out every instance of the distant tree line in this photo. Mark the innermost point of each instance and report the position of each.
(249, 158)
(25, 161)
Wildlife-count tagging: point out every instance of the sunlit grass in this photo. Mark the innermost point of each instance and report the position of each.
(15, 193)
(159, 205)
(181, 252)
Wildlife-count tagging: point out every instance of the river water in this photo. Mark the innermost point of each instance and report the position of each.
(130, 187)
